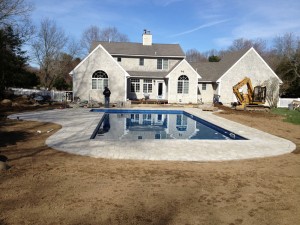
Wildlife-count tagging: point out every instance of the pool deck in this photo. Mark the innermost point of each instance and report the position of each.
(78, 125)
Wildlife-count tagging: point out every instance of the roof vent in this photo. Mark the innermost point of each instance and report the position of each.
(147, 37)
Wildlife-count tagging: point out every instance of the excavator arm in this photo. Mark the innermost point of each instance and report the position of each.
(254, 98)
(239, 96)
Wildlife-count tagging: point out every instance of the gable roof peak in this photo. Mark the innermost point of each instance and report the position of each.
(212, 71)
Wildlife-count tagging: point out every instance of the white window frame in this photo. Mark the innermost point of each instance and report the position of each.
(162, 64)
(204, 86)
(147, 86)
(135, 85)
(183, 85)
(99, 80)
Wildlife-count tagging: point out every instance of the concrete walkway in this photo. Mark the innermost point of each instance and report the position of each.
(79, 124)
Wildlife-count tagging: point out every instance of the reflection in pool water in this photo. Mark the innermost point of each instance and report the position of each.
(141, 126)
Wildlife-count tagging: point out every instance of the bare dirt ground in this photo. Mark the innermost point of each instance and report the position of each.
(46, 186)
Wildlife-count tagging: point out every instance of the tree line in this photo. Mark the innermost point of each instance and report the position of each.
(56, 54)
(48, 47)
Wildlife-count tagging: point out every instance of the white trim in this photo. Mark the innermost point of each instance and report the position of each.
(184, 60)
(251, 49)
(163, 87)
(100, 46)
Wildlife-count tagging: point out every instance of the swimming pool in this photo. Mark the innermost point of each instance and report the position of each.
(118, 124)
(79, 124)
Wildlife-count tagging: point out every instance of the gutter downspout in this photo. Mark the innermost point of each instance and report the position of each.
(219, 90)
(125, 96)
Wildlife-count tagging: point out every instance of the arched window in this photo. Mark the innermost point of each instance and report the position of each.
(99, 80)
(183, 85)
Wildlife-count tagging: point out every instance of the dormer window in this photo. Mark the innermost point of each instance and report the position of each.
(162, 64)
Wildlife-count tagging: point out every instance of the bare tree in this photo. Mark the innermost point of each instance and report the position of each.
(64, 64)
(272, 95)
(287, 48)
(94, 33)
(193, 55)
(12, 11)
(47, 46)
(16, 14)
(88, 36)
(244, 44)
(211, 52)
(286, 45)
(73, 48)
(112, 34)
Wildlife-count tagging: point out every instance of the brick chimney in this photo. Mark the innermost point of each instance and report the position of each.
(147, 37)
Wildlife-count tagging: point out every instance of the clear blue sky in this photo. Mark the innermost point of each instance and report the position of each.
(199, 24)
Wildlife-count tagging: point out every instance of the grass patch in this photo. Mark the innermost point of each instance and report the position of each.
(291, 116)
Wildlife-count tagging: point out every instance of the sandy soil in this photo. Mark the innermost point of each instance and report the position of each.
(45, 186)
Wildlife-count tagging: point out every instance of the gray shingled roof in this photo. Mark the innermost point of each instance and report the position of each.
(144, 74)
(212, 71)
(138, 49)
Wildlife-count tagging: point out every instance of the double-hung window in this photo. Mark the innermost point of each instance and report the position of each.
(99, 80)
(135, 85)
(162, 64)
(141, 61)
(147, 86)
(204, 86)
(183, 85)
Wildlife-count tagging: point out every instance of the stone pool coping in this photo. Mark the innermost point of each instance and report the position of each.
(79, 124)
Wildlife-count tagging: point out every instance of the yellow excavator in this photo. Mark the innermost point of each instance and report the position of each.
(253, 100)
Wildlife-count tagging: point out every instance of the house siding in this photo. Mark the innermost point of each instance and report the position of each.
(183, 69)
(82, 77)
(150, 64)
(206, 96)
(250, 65)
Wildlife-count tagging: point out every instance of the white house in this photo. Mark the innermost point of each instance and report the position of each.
(136, 71)
(161, 72)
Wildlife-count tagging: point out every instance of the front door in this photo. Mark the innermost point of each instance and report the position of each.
(160, 90)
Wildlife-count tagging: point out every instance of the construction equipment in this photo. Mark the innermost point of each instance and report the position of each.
(253, 100)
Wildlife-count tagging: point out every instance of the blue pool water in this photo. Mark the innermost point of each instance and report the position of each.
(118, 124)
